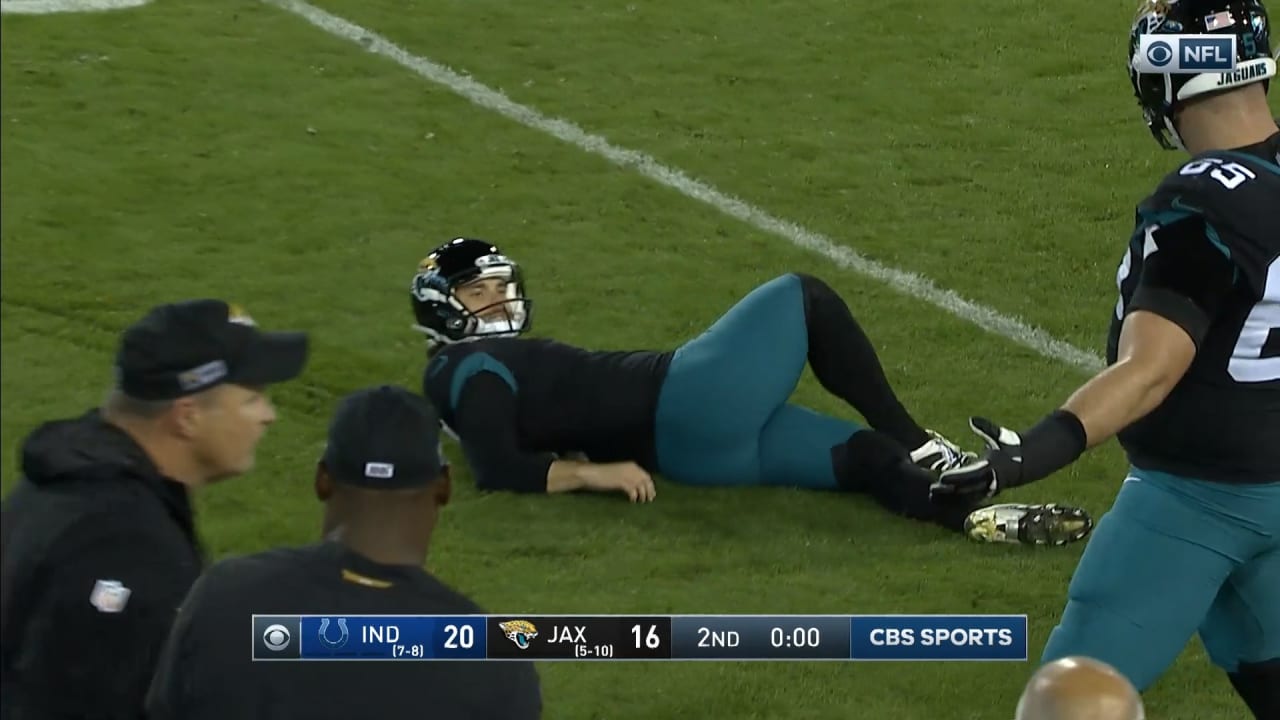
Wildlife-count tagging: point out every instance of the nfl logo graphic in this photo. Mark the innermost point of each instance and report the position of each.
(109, 596)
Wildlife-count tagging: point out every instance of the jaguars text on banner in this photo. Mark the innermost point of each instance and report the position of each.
(630, 637)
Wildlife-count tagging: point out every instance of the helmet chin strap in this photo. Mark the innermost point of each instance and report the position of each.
(1173, 133)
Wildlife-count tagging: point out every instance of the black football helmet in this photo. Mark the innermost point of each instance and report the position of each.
(439, 311)
(1160, 95)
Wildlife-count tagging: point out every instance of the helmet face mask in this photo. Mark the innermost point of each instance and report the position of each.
(1160, 96)
(442, 314)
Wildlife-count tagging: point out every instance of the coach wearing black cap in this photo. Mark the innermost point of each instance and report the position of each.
(99, 546)
(383, 483)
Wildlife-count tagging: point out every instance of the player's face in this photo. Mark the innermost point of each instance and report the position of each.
(485, 297)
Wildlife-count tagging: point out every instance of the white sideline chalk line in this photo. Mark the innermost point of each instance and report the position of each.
(46, 7)
(909, 283)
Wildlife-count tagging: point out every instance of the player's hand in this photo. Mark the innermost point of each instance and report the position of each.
(985, 477)
(625, 477)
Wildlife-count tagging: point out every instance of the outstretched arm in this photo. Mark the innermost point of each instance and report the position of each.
(1183, 284)
(1154, 355)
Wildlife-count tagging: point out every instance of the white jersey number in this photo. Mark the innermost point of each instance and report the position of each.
(1126, 265)
(1247, 363)
(1230, 175)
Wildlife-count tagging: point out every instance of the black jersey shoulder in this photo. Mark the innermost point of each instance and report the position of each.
(1237, 192)
(449, 368)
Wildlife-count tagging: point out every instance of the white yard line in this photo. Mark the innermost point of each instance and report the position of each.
(44, 7)
(910, 283)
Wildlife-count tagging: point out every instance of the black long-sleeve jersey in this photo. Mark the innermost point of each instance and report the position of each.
(516, 404)
(1206, 255)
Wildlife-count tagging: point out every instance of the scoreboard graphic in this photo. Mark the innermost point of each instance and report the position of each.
(637, 637)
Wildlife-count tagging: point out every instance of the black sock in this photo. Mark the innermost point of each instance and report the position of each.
(845, 362)
(1258, 684)
(872, 463)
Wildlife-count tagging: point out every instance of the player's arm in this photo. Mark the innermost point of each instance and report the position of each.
(1155, 352)
(1182, 287)
(485, 421)
(93, 653)
(1180, 291)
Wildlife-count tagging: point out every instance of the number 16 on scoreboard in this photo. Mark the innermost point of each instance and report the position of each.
(579, 637)
(647, 637)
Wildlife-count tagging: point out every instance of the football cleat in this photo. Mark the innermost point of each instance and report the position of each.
(1028, 524)
(940, 454)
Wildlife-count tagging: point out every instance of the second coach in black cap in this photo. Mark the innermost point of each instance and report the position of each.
(99, 542)
(383, 483)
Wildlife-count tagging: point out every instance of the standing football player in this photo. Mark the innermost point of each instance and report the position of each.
(715, 412)
(1192, 541)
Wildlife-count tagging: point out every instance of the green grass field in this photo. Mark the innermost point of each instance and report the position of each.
(193, 148)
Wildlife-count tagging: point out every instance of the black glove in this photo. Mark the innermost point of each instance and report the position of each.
(985, 477)
(1012, 459)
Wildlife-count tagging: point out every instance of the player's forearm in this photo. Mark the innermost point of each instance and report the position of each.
(1104, 406)
(566, 476)
(1154, 355)
(1116, 398)
(498, 466)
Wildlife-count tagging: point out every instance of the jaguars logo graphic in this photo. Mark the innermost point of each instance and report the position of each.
(428, 264)
(238, 315)
(519, 632)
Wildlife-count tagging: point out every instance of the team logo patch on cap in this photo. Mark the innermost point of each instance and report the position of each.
(109, 596)
(379, 470)
(236, 314)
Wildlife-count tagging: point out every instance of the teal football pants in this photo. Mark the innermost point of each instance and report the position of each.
(723, 416)
(1175, 556)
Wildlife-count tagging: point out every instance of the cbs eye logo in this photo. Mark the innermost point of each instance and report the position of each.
(1159, 53)
(276, 637)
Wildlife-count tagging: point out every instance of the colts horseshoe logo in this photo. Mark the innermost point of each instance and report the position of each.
(342, 636)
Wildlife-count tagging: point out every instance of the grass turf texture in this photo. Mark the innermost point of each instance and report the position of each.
(230, 149)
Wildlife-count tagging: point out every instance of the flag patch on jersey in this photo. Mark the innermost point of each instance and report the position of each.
(109, 596)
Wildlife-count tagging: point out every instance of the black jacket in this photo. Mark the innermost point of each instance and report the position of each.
(97, 551)
(207, 671)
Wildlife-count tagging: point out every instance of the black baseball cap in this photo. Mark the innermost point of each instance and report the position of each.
(183, 348)
(384, 438)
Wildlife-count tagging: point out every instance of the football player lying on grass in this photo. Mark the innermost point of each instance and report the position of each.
(713, 412)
